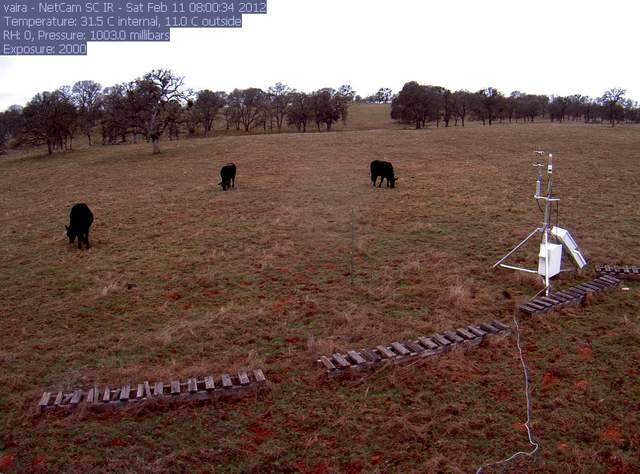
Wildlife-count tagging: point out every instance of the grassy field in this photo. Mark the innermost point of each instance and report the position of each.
(260, 277)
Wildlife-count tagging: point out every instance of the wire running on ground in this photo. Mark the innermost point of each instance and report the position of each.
(532, 440)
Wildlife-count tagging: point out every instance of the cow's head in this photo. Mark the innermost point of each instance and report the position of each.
(70, 233)
(223, 184)
(392, 181)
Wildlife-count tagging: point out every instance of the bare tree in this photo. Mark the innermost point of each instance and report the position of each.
(250, 104)
(50, 118)
(11, 123)
(158, 90)
(330, 106)
(87, 98)
(207, 106)
(300, 111)
(462, 102)
(280, 99)
(611, 101)
(488, 104)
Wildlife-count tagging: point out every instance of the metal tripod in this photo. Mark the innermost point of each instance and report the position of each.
(546, 225)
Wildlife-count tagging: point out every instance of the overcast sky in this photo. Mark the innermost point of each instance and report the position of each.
(542, 46)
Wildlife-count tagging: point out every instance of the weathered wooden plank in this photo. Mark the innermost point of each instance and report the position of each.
(600, 285)
(147, 389)
(342, 362)
(577, 294)
(614, 281)
(561, 298)
(140, 391)
(385, 353)
(414, 347)
(125, 393)
(58, 399)
(115, 395)
(452, 336)
(489, 328)
(175, 387)
(551, 300)
(400, 349)
(607, 282)
(441, 340)
(370, 355)
(44, 400)
(357, 358)
(500, 325)
(465, 333)
(77, 396)
(535, 305)
(477, 331)
(530, 310)
(106, 395)
(243, 378)
(226, 381)
(192, 385)
(327, 363)
(585, 288)
(259, 376)
(90, 396)
(158, 391)
(428, 343)
(570, 297)
(540, 302)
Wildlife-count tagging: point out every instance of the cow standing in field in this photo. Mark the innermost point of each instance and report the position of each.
(384, 170)
(80, 220)
(228, 176)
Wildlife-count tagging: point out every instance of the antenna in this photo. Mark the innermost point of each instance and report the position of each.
(554, 239)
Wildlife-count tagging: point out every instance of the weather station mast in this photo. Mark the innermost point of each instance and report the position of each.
(553, 238)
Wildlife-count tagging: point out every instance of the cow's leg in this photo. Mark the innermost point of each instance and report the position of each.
(381, 180)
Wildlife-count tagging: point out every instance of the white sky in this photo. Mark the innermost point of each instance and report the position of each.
(536, 46)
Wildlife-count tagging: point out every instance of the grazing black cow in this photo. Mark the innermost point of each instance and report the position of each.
(384, 170)
(228, 175)
(80, 220)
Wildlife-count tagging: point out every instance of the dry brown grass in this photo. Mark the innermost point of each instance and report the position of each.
(184, 279)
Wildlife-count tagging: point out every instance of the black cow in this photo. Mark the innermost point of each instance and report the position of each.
(384, 170)
(80, 220)
(228, 175)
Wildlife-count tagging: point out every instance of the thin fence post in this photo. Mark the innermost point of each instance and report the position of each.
(353, 244)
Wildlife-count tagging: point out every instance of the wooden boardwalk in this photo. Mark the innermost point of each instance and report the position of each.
(405, 351)
(621, 272)
(573, 296)
(226, 386)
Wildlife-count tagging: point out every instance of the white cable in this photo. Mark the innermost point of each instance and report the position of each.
(528, 423)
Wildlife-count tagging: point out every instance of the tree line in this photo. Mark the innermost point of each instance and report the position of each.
(159, 104)
(421, 104)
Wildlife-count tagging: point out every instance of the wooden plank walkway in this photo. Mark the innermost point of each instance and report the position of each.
(573, 296)
(398, 352)
(204, 388)
(621, 272)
